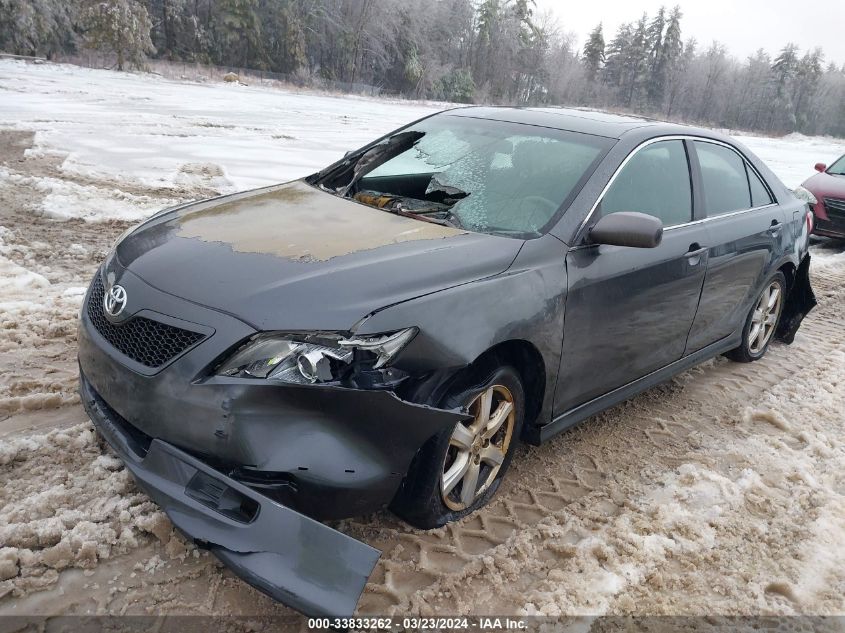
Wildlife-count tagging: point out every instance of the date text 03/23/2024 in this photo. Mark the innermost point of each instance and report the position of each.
(485, 623)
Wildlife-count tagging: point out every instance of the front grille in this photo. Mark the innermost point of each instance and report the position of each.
(835, 208)
(145, 341)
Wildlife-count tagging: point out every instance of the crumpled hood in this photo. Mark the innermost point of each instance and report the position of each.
(297, 258)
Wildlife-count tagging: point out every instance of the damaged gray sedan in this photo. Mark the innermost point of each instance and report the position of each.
(387, 331)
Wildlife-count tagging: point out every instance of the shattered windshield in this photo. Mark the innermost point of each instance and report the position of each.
(481, 175)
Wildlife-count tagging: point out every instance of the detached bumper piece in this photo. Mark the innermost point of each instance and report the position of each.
(799, 302)
(290, 557)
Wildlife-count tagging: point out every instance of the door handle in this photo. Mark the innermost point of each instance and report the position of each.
(775, 228)
(695, 251)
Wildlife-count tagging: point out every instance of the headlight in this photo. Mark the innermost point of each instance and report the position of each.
(313, 358)
(385, 347)
(805, 194)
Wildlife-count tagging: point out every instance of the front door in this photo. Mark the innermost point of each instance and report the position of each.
(629, 310)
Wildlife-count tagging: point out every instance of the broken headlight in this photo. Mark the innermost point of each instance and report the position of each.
(805, 194)
(317, 358)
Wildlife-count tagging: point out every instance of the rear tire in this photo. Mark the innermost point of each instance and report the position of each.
(459, 470)
(762, 321)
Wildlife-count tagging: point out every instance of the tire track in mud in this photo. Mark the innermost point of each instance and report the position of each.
(584, 477)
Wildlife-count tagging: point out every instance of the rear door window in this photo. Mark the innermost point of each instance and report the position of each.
(760, 196)
(724, 179)
(656, 181)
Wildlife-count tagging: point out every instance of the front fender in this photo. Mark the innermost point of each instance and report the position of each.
(459, 324)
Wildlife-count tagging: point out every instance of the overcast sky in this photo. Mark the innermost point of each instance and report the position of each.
(741, 25)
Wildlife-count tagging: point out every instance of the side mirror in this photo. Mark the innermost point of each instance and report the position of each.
(820, 167)
(628, 228)
(347, 154)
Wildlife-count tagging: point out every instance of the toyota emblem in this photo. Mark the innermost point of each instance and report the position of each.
(115, 300)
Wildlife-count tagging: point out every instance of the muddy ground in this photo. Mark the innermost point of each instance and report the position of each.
(721, 491)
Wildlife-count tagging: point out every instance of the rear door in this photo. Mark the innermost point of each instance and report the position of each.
(629, 310)
(745, 229)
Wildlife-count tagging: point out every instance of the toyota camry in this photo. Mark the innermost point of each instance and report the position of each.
(385, 332)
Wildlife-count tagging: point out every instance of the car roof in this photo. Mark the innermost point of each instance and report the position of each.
(585, 121)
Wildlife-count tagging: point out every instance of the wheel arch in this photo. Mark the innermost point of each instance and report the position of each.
(788, 269)
(525, 358)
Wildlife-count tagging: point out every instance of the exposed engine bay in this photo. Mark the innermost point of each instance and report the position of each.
(428, 210)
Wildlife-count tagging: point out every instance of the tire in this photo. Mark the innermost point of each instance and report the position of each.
(421, 501)
(755, 348)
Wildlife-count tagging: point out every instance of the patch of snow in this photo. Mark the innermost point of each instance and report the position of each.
(64, 504)
(16, 282)
(65, 199)
(793, 157)
(110, 124)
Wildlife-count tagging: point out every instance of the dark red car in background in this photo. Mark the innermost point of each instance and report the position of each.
(828, 187)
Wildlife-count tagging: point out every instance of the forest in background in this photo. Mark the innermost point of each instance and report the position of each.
(466, 51)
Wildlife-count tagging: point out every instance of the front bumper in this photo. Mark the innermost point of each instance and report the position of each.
(292, 558)
(799, 301)
(244, 467)
(829, 219)
(325, 451)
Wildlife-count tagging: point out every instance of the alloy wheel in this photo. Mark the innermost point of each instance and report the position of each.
(477, 448)
(765, 317)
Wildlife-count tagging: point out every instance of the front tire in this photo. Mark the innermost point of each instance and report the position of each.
(762, 321)
(460, 469)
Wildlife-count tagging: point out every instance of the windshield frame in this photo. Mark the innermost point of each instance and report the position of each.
(602, 143)
(841, 159)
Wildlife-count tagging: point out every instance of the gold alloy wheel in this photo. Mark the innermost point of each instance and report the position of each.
(478, 447)
(765, 317)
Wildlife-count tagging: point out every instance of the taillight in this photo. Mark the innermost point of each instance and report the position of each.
(809, 221)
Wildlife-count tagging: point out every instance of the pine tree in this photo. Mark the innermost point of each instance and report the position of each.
(522, 12)
(593, 57)
(614, 67)
(677, 72)
(488, 19)
(635, 73)
(808, 73)
(237, 33)
(672, 44)
(783, 70)
(284, 27)
(656, 58)
(168, 17)
(488, 15)
(755, 100)
(654, 38)
(38, 27)
(121, 27)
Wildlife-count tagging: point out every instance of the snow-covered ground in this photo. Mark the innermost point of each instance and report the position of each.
(149, 128)
(721, 491)
(163, 133)
(793, 157)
